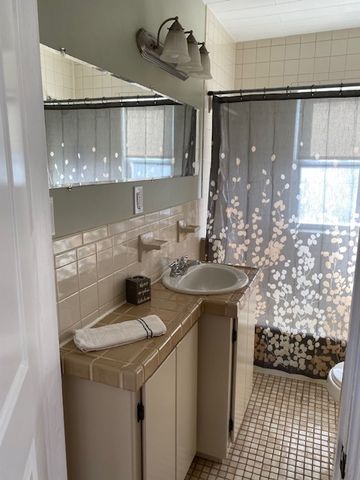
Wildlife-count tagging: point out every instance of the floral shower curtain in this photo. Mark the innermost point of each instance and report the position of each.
(284, 197)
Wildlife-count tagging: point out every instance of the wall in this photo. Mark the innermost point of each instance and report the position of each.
(91, 266)
(222, 53)
(103, 34)
(326, 57)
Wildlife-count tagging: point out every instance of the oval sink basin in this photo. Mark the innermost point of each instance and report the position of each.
(207, 279)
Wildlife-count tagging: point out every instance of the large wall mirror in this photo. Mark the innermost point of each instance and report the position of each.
(106, 135)
(101, 129)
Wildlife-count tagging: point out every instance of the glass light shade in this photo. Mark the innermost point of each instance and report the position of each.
(205, 74)
(175, 46)
(195, 59)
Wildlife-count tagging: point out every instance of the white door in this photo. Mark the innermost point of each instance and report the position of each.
(31, 424)
(347, 461)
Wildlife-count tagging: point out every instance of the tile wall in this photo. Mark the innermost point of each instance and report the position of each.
(57, 74)
(222, 50)
(91, 267)
(63, 77)
(319, 58)
(91, 83)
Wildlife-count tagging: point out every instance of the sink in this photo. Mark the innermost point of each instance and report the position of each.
(207, 279)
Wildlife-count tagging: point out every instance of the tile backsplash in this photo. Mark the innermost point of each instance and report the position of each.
(91, 266)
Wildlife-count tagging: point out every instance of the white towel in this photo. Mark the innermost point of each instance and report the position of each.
(88, 339)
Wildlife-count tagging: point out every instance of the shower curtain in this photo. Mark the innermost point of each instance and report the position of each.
(284, 197)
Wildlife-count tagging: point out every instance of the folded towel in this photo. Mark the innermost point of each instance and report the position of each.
(88, 339)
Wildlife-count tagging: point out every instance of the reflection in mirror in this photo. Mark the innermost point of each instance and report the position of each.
(98, 133)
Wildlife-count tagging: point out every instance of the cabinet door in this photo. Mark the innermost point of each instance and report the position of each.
(186, 401)
(159, 422)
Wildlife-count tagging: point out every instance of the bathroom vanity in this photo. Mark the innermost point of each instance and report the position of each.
(142, 411)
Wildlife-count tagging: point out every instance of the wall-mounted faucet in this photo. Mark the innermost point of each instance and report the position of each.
(147, 242)
(184, 228)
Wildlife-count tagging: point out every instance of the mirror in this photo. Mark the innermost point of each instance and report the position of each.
(102, 129)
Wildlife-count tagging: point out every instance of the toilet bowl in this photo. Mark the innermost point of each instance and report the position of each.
(334, 381)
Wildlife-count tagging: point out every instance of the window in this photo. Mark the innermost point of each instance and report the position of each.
(149, 143)
(328, 161)
(328, 193)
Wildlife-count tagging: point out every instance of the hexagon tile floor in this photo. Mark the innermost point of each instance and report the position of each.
(288, 433)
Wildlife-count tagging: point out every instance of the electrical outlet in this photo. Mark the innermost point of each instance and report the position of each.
(138, 200)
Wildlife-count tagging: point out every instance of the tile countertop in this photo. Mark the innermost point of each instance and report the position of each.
(129, 366)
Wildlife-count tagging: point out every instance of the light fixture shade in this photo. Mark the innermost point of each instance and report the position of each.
(205, 62)
(195, 59)
(175, 46)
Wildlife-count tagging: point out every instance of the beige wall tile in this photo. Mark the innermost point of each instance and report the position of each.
(87, 271)
(105, 264)
(65, 258)
(67, 243)
(96, 234)
(120, 257)
(106, 290)
(67, 280)
(88, 300)
(86, 250)
(104, 244)
(69, 312)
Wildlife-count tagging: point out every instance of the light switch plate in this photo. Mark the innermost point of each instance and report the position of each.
(138, 200)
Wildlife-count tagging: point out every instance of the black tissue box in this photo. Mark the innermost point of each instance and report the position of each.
(138, 290)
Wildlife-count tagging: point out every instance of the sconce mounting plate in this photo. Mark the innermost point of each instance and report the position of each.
(147, 45)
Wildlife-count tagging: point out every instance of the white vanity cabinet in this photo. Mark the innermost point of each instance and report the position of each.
(170, 403)
(105, 440)
(226, 356)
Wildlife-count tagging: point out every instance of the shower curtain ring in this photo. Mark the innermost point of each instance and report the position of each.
(241, 95)
(288, 90)
(341, 89)
(312, 90)
(264, 93)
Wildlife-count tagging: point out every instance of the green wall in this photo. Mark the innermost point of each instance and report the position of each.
(86, 207)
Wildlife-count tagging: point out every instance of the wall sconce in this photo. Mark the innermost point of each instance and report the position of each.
(179, 55)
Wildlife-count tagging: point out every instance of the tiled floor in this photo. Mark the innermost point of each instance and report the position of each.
(288, 432)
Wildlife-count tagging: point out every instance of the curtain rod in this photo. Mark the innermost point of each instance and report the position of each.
(285, 93)
(108, 102)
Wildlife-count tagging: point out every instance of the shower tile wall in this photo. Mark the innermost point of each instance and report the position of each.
(57, 74)
(222, 52)
(91, 266)
(64, 78)
(319, 58)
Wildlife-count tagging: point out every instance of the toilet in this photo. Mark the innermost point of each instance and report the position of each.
(334, 381)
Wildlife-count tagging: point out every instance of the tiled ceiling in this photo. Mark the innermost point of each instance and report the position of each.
(255, 19)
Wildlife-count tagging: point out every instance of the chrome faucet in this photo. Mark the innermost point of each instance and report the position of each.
(180, 266)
